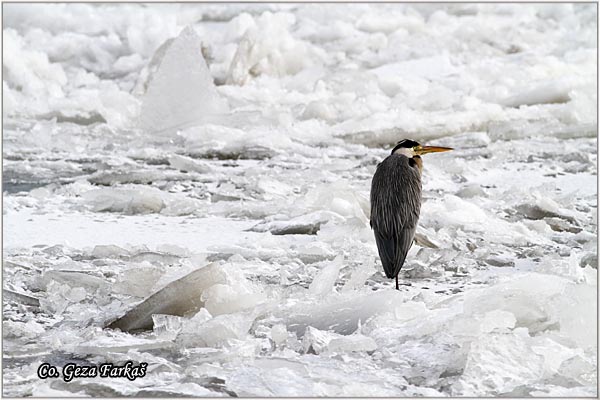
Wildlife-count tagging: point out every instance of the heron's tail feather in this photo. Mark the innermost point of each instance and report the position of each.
(403, 243)
(393, 250)
(387, 253)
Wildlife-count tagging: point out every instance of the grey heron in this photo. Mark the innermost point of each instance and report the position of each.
(396, 202)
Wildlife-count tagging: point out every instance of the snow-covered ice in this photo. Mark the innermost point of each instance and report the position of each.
(203, 171)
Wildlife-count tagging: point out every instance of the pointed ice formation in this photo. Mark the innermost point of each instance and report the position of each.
(181, 92)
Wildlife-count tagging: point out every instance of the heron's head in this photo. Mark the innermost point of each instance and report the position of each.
(410, 148)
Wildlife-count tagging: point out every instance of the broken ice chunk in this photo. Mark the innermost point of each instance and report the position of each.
(129, 201)
(500, 260)
(423, 238)
(60, 296)
(543, 207)
(110, 178)
(338, 198)
(20, 298)
(188, 164)
(497, 319)
(590, 260)
(225, 299)
(351, 343)
(498, 363)
(580, 370)
(342, 314)
(267, 47)
(177, 298)
(109, 251)
(558, 218)
(525, 297)
(308, 224)
(184, 330)
(215, 331)
(181, 92)
(576, 312)
(550, 93)
(315, 341)
(560, 225)
(18, 329)
(279, 334)
(360, 274)
(74, 279)
(117, 342)
(154, 257)
(166, 326)
(420, 270)
(324, 281)
(470, 191)
(137, 280)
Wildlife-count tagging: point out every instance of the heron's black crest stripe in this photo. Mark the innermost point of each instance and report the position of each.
(406, 143)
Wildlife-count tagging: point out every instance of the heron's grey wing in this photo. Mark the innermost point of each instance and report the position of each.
(387, 252)
(404, 241)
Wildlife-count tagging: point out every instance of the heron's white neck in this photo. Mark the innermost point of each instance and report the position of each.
(410, 153)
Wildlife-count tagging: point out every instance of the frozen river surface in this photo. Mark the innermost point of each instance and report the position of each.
(127, 164)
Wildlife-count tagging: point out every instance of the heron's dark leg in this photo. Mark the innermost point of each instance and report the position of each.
(397, 288)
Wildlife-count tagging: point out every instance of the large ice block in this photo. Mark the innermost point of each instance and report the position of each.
(181, 93)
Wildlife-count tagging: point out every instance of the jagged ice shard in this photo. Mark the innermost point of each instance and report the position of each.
(181, 93)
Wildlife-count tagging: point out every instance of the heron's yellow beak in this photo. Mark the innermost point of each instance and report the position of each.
(420, 150)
